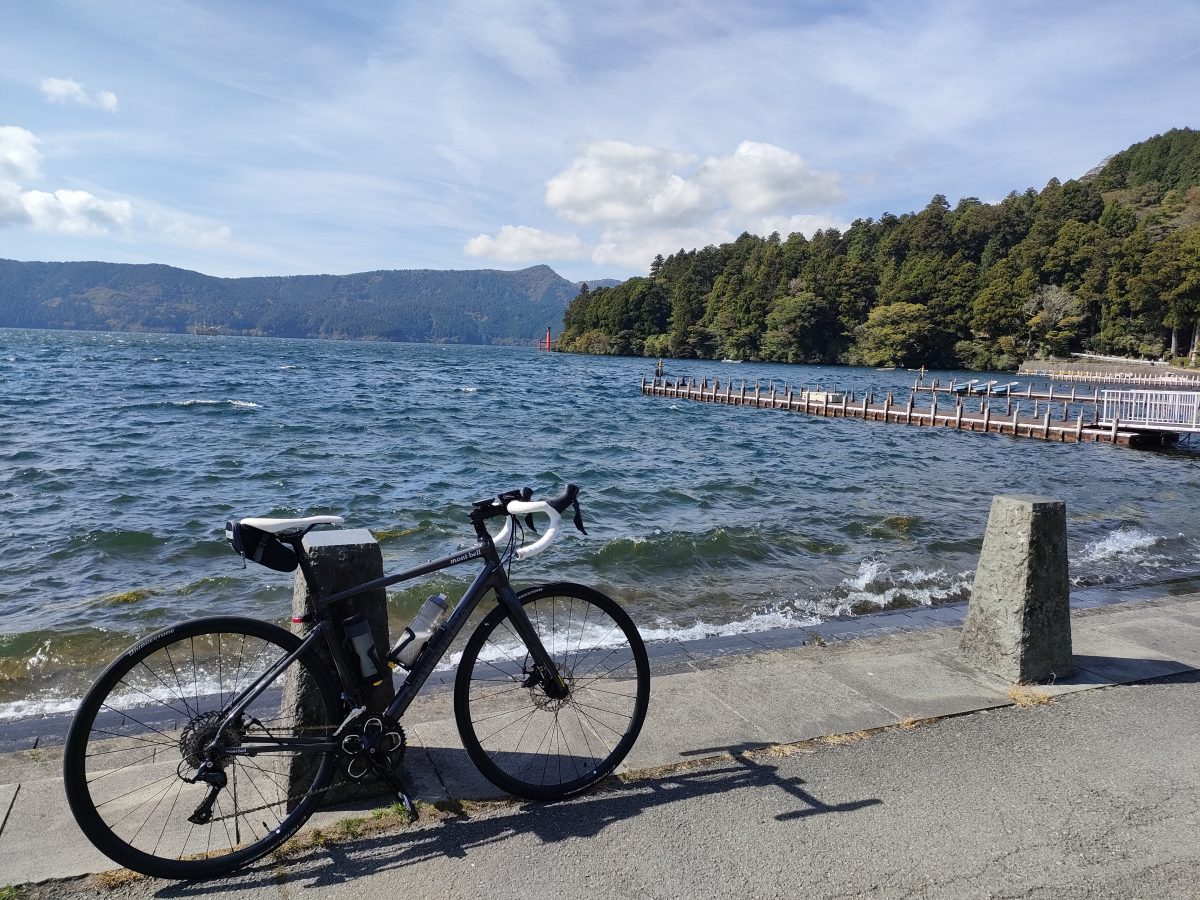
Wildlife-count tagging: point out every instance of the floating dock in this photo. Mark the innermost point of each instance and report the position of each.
(1067, 417)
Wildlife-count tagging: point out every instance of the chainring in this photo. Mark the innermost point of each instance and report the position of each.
(376, 740)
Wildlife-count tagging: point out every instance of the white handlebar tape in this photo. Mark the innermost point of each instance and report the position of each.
(501, 540)
(521, 508)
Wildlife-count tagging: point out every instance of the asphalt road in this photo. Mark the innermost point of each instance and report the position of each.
(1095, 795)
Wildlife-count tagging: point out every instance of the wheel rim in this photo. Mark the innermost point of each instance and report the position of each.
(152, 720)
(532, 742)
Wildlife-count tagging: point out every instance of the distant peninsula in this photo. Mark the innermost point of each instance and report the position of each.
(468, 307)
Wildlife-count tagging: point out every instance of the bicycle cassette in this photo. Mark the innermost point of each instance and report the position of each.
(377, 742)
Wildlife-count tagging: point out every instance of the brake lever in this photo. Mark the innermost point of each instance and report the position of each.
(529, 523)
(579, 517)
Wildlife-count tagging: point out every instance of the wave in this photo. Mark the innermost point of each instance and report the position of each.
(201, 403)
(719, 547)
(236, 404)
(1130, 553)
(875, 587)
(1130, 545)
(779, 616)
(38, 706)
(659, 631)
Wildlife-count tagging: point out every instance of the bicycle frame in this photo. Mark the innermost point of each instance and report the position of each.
(492, 577)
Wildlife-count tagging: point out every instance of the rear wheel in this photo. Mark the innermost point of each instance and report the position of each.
(150, 724)
(529, 738)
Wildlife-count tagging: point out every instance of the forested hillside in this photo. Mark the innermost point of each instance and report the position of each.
(1108, 263)
(419, 305)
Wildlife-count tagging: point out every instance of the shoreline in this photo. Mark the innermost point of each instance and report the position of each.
(672, 656)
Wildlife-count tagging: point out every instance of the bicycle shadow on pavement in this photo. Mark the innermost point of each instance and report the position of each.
(735, 769)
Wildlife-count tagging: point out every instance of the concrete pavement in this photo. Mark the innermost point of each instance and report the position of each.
(708, 698)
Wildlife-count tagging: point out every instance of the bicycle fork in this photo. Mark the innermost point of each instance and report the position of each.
(545, 673)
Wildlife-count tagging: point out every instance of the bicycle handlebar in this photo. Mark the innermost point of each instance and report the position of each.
(513, 504)
(522, 508)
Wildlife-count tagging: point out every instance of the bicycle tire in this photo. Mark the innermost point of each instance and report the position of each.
(527, 743)
(140, 729)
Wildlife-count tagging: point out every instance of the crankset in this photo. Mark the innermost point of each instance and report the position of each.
(374, 749)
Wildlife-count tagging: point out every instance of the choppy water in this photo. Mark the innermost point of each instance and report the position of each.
(121, 457)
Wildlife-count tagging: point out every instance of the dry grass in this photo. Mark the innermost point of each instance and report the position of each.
(784, 750)
(850, 737)
(111, 881)
(1025, 696)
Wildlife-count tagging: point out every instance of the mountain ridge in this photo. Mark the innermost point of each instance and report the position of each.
(427, 305)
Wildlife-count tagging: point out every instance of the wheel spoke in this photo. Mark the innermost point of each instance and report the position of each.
(530, 742)
(144, 824)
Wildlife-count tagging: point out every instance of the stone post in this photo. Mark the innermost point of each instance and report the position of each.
(341, 560)
(1018, 623)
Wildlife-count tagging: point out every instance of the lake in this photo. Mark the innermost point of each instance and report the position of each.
(122, 456)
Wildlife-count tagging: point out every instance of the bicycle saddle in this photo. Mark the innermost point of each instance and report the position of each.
(279, 526)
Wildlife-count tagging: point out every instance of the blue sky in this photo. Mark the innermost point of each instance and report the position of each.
(265, 138)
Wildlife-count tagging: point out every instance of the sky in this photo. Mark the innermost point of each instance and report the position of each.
(296, 137)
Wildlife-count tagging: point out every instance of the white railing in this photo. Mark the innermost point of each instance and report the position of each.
(1166, 410)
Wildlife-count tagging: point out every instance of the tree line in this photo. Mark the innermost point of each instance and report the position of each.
(1108, 263)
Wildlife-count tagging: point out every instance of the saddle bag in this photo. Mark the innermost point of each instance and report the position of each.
(261, 547)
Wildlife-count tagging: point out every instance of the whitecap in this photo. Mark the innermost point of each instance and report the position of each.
(1126, 544)
(876, 585)
(237, 404)
(765, 620)
(41, 706)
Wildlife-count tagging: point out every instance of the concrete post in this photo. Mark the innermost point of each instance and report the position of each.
(1018, 623)
(341, 560)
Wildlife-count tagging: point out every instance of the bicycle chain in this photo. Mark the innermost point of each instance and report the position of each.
(336, 783)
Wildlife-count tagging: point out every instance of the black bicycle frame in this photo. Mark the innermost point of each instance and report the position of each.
(492, 576)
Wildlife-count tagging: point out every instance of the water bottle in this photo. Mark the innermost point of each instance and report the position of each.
(358, 636)
(419, 630)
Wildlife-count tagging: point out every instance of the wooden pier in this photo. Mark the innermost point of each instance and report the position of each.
(1020, 414)
(1128, 379)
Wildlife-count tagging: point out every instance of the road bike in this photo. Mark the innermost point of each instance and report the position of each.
(209, 743)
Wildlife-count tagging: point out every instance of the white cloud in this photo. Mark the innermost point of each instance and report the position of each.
(193, 234)
(520, 243)
(65, 90)
(762, 178)
(75, 212)
(12, 210)
(64, 211)
(621, 184)
(19, 156)
(785, 225)
(636, 248)
(641, 201)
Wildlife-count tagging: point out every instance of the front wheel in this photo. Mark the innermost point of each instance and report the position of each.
(152, 722)
(536, 740)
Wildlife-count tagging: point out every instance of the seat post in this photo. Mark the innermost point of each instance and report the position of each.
(310, 577)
